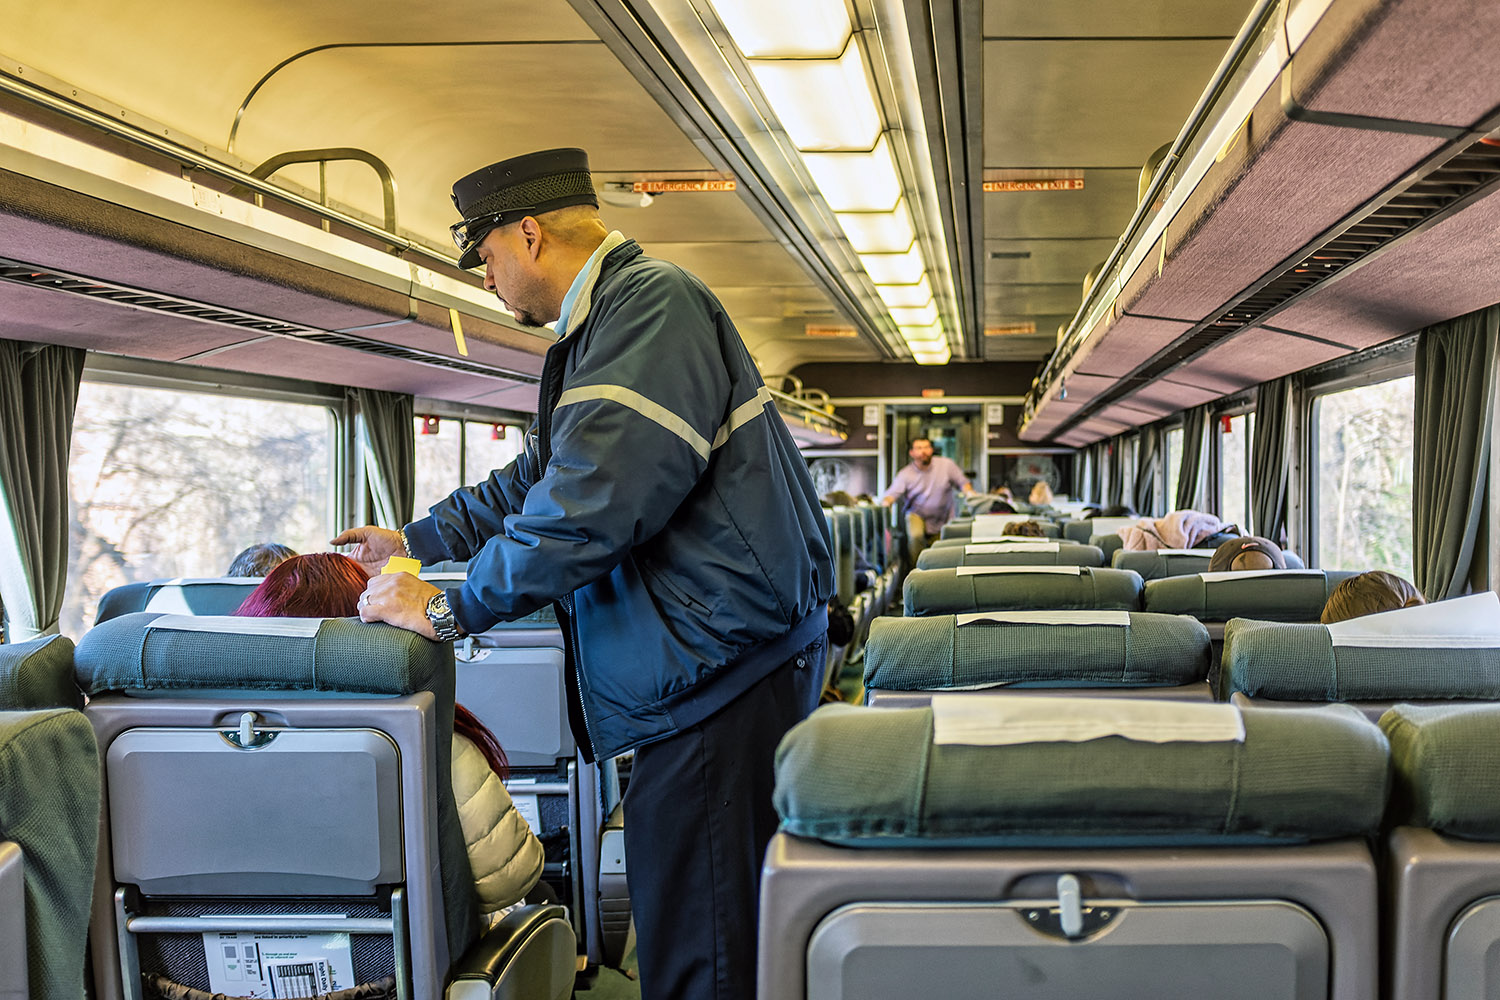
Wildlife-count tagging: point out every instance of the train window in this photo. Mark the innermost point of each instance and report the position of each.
(1362, 497)
(1234, 469)
(488, 447)
(1172, 456)
(165, 483)
(451, 452)
(439, 459)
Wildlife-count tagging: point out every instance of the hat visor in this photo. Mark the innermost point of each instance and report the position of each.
(470, 257)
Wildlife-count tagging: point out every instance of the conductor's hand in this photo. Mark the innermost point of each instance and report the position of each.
(399, 599)
(372, 546)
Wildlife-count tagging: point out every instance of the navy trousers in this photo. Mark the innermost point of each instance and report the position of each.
(698, 817)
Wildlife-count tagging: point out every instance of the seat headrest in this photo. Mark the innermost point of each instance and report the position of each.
(150, 651)
(38, 674)
(877, 777)
(994, 588)
(1010, 551)
(986, 649)
(1442, 650)
(1283, 595)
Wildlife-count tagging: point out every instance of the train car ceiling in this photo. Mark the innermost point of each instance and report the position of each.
(665, 92)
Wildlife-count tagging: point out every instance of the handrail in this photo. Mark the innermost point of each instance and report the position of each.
(400, 246)
(322, 156)
(1248, 32)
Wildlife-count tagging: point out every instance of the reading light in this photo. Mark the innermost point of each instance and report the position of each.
(857, 182)
(822, 103)
(786, 27)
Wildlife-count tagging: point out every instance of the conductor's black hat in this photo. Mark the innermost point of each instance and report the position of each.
(512, 189)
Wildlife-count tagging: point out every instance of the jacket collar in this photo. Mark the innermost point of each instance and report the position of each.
(580, 296)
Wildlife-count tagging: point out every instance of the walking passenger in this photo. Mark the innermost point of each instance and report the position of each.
(663, 506)
(925, 488)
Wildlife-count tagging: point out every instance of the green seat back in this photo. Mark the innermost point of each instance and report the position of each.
(875, 777)
(1445, 760)
(1020, 588)
(49, 805)
(1276, 595)
(1036, 552)
(38, 674)
(1118, 648)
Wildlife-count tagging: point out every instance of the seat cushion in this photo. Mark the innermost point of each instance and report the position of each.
(49, 805)
(1446, 764)
(992, 588)
(875, 777)
(1303, 663)
(38, 674)
(948, 652)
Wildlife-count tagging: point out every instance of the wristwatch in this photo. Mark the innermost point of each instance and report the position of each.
(441, 616)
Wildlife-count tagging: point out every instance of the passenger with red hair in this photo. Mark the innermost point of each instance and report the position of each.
(504, 855)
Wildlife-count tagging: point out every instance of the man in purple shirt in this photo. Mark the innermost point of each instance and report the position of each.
(925, 489)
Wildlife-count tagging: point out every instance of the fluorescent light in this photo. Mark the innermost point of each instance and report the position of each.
(879, 232)
(894, 268)
(786, 27)
(856, 182)
(924, 337)
(935, 357)
(823, 104)
(906, 296)
(920, 316)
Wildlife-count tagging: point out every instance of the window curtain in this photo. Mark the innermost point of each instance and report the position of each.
(1114, 493)
(1455, 387)
(386, 435)
(1144, 493)
(1190, 469)
(1270, 459)
(38, 394)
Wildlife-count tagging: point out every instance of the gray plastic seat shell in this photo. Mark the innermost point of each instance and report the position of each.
(13, 982)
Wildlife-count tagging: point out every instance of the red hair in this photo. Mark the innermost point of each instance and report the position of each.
(318, 585)
(328, 585)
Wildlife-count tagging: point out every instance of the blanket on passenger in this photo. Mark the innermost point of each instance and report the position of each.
(1181, 529)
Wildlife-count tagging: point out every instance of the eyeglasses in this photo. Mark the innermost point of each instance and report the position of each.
(467, 232)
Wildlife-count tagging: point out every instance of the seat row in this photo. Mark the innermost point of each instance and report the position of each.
(1045, 846)
(244, 777)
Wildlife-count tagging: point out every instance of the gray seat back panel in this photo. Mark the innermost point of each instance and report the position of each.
(324, 807)
(518, 692)
(1232, 951)
(13, 984)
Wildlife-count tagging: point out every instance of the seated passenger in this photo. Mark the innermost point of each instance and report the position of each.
(258, 560)
(1247, 553)
(839, 498)
(1028, 529)
(504, 855)
(1118, 510)
(1369, 594)
(1181, 529)
(1041, 494)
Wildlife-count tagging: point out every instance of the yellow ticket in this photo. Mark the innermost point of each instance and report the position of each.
(401, 564)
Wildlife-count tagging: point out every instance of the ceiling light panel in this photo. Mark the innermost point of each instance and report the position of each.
(894, 268)
(905, 296)
(924, 337)
(939, 356)
(806, 28)
(823, 104)
(856, 182)
(920, 316)
(879, 232)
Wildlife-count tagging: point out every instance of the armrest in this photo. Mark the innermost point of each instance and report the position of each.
(540, 928)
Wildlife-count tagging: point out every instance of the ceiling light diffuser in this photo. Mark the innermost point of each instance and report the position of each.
(823, 104)
(920, 316)
(894, 268)
(879, 232)
(905, 296)
(934, 357)
(856, 182)
(786, 27)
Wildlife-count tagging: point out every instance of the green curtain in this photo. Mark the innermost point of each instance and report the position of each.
(1455, 387)
(1190, 469)
(387, 437)
(1114, 492)
(1271, 460)
(38, 394)
(1144, 493)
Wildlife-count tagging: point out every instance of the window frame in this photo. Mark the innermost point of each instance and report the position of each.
(1385, 364)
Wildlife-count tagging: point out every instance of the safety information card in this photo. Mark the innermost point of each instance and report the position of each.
(269, 965)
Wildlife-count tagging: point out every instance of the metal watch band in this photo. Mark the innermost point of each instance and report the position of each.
(405, 546)
(441, 617)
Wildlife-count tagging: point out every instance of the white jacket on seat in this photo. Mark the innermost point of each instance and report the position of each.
(504, 855)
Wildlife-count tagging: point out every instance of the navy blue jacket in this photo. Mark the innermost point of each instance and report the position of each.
(660, 502)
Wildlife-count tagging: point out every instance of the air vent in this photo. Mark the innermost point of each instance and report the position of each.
(17, 272)
(1463, 178)
(1010, 255)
